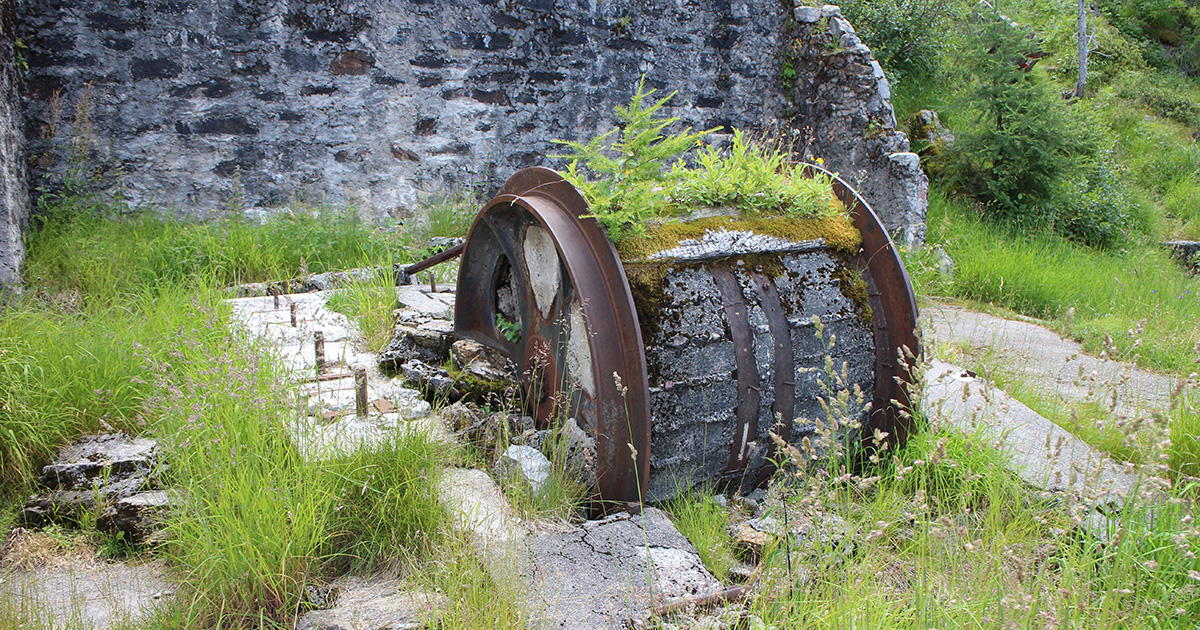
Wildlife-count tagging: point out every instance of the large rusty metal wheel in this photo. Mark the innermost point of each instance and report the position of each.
(544, 285)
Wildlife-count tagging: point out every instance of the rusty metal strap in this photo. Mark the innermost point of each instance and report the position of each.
(747, 369)
(784, 405)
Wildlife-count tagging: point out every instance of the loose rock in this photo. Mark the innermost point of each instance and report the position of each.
(525, 463)
(482, 361)
(374, 604)
(135, 517)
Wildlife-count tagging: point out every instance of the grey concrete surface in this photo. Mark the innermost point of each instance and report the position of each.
(1041, 453)
(1044, 360)
(90, 594)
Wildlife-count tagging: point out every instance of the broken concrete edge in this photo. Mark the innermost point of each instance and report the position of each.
(479, 510)
(1041, 453)
(372, 603)
(314, 282)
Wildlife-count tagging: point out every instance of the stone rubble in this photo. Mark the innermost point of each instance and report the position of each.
(1186, 253)
(374, 603)
(113, 474)
(524, 464)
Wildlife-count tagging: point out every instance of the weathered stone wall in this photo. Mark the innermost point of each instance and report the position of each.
(200, 105)
(842, 113)
(14, 193)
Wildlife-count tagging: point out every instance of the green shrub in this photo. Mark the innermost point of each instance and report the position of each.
(1157, 24)
(1095, 209)
(1022, 141)
(623, 193)
(1173, 99)
(907, 37)
(628, 188)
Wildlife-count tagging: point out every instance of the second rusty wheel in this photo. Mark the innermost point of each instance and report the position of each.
(544, 285)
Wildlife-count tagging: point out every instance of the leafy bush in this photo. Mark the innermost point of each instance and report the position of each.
(1171, 101)
(907, 37)
(1028, 159)
(1158, 26)
(632, 190)
(1095, 209)
(622, 195)
(751, 177)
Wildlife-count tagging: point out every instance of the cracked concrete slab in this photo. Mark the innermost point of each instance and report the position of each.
(604, 573)
(1058, 367)
(95, 595)
(421, 302)
(1040, 452)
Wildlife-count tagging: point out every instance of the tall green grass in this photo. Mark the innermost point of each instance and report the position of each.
(104, 285)
(124, 327)
(63, 374)
(105, 254)
(253, 523)
(941, 535)
(369, 303)
(705, 524)
(1136, 302)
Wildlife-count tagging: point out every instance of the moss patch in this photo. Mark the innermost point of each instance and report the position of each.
(647, 285)
(837, 231)
(852, 285)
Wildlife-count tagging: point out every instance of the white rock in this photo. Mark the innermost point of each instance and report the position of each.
(526, 461)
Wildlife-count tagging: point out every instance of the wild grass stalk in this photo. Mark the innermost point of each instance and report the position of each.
(253, 523)
(704, 523)
(113, 258)
(369, 304)
(941, 534)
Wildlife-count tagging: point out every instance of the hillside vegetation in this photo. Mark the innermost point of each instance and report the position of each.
(1052, 205)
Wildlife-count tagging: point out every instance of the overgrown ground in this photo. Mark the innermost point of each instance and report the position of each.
(125, 327)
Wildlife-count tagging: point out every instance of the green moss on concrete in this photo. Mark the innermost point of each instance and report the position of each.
(837, 232)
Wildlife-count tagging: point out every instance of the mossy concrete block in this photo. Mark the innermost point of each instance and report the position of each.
(691, 358)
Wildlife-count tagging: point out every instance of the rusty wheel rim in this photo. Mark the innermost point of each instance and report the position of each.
(533, 259)
(890, 294)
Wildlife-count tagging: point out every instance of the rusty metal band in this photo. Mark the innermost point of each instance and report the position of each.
(738, 318)
(784, 406)
(622, 395)
(890, 295)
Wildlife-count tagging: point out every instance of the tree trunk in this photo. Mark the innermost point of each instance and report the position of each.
(1081, 84)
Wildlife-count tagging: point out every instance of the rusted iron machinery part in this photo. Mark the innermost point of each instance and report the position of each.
(890, 295)
(436, 259)
(579, 349)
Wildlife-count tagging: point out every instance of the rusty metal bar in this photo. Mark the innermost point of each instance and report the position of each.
(360, 392)
(684, 603)
(891, 298)
(319, 350)
(784, 406)
(321, 378)
(275, 294)
(292, 308)
(738, 318)
(438, 258)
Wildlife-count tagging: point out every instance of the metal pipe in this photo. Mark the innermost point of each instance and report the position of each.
(441, 257)
(728, 595)
(319, 349)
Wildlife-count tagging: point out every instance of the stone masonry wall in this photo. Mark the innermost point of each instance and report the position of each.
(842, 113)
(14, 194)
(204, 105)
